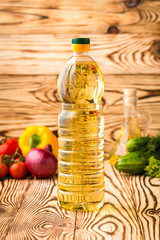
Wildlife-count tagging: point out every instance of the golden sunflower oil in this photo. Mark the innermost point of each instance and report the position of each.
(81, 132)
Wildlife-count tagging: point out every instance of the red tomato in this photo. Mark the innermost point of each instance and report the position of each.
(3, 170)
(9, 146)
(18, 170)
(18, 159)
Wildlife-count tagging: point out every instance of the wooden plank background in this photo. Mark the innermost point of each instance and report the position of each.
(35, 38)
(130, 212)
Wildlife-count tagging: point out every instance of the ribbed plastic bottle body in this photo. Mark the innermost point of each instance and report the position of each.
(81, 137)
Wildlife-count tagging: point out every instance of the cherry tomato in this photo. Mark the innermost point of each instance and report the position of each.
(18, 170)
(3, 170)
(8, 146)
(18, 160)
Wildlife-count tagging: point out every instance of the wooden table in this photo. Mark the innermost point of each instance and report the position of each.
(29, 210)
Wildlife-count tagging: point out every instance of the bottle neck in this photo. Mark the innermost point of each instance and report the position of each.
(77, 54)
(81, 107)
(130, 107)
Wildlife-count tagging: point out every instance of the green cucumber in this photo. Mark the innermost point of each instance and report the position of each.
(133, 163)
(137, 144)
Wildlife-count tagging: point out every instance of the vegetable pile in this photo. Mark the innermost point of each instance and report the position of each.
(35, 153)
(143, 157)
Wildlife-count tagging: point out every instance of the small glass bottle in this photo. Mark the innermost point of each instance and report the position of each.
(130, 127)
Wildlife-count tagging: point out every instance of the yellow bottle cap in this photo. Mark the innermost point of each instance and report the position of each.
(80, 44)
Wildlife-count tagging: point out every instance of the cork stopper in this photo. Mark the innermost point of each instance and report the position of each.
(129, 92)
(130, 97)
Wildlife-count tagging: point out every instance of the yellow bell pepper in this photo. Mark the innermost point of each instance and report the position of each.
(39, 137)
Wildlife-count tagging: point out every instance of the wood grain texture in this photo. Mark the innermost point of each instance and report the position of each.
(76, 18)
(10, 202)
(47, 54)
(34, 100)
(131, 210)
(146, 195)
(113, 6)
(29, 210)
(29, 67)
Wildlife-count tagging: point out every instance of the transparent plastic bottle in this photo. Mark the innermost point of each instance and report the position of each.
(81, 132)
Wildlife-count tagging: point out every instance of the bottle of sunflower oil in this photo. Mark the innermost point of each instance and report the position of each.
(130, 127)
(81, 132)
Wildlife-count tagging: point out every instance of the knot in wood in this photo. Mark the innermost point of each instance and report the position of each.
(155, 49)
(153, 211)
(109, 227)
(113, 30)
(132, 3)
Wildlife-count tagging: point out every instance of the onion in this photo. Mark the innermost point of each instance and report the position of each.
(41, 163)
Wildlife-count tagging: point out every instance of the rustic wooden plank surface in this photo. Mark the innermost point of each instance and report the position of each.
(70, 17)
(34, 100)
(29, 210)
(146, 196)
(131, 211)
(11, 202)
(29, 66)
(47, 54)
(112, 5)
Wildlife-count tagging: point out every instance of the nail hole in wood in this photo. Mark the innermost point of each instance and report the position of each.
(132, 3)
(113, 30)
(155, 49)
(44, 17)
